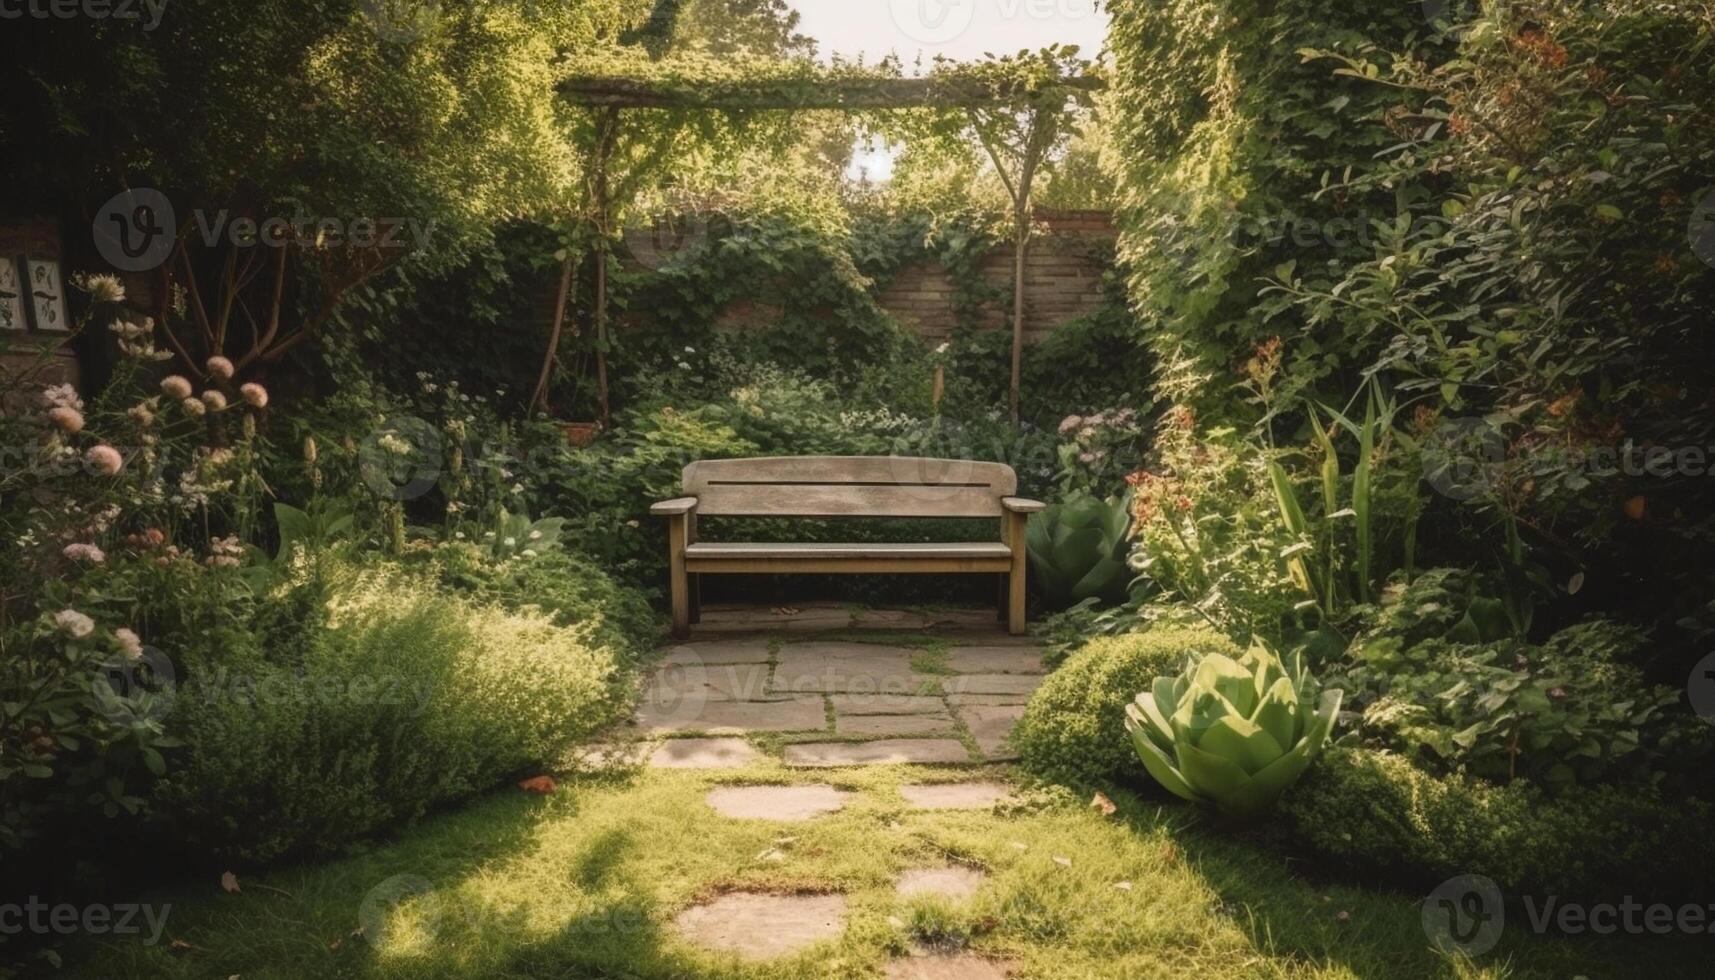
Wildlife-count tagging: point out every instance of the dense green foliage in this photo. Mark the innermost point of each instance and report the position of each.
(1073, 730)
(1376, 812)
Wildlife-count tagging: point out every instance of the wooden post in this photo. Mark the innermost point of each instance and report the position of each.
(678, 536)
(1014, 537)
(539, 399)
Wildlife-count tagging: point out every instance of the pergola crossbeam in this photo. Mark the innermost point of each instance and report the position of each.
(812, 93)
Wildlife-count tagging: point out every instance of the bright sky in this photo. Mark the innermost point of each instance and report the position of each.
(964, 30)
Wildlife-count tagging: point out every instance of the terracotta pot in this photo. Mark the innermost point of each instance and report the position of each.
(580, 434)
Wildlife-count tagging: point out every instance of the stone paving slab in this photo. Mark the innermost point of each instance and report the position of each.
(989, 725)
(847, 668)
(919, 724)
(940, 966)
(955, 796)
(1014, 684)
(885, 704)
(762, 927)
(802, 714)
(953, 882)
(995, 660)
(894, 751)
(891, 619)
(717, 652)
(786, 803)
(704, 753)
(958, 700)
(714, 682)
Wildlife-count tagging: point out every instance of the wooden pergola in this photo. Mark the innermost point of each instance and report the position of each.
(1045, 105)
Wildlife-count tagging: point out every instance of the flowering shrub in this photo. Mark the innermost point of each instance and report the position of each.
(1098, 449)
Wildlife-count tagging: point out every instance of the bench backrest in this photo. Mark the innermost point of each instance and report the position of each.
(849, 486)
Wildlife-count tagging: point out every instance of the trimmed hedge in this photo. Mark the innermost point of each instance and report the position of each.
(1073, 730)
(1376, 812)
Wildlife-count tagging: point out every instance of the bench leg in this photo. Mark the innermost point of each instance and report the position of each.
(678, 584)
(1000, 597)
(696, 585)
(1015, 579)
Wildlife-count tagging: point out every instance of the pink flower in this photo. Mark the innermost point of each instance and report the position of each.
(141, 414)
(61, 396)
(80, 551)
(75, 624)
(193, 407)
(104, 460)
(214, 400)
(68, 420)
(220, 368)
(1070, 424)
(254, 395)
(129, 642)
(176, 387)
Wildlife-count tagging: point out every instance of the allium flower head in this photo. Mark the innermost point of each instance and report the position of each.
(101, 288)
(220, 368)
(214, 400)
(79, 551)
(176, 387)
(193, 407)
(254, 395)
(104, 460)
(68, 420)
(129, 642)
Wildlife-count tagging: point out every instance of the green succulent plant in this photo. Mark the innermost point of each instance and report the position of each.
(1078, 549)
(1232, 733)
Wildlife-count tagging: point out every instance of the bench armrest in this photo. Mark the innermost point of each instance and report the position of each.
(1019, 505)
(674, 508)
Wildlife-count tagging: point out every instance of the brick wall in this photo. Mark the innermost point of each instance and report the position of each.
(1061, 279)
(38, 238)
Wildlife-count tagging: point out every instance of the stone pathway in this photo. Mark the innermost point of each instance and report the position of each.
(955, 796)
(950, 882)
(876, 703)
(761, 927)
(788, 803)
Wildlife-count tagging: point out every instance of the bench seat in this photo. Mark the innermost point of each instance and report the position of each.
(887, 487)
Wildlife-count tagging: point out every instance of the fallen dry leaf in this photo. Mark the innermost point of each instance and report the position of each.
(786, 611)
(229, 881)
(180, 946)
(1635, 508)
(1064, 862)
(1344, 916)
(1020, 846)
(538, 784)
(1124, 886)
(1101, 802)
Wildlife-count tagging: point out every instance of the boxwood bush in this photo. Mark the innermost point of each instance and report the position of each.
(1073, 730)
(1375, 812)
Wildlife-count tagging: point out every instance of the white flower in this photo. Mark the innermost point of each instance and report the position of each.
(510, 542)
(254, 394)
(214, 400)
(176, 387)
(193, 407)
(61, 396)
(101, 288)
(75, 624)
(527, 553)
(535, 535)
(220, 368)
(129, 642)
(80, 551)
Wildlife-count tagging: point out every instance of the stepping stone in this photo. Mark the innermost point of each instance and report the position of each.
(886, 704)
(893, 751)
(955, 796)
(995, 660)
(790, 803)
(847, 668)
(964, 966)
(1014, 684)
(957, 700)
(704, 753)
(989, 726)
(737, 717)
(922, 724)
(761, 927)
(949, 882)
(717, 652)
(679, 683)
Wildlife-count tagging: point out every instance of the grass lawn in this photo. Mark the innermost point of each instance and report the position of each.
(586, 883)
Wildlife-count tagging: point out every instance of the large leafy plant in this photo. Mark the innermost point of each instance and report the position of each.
(1234, 734)
(1078, 549)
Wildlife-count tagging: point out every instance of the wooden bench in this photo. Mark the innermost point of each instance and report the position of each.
(846, 486)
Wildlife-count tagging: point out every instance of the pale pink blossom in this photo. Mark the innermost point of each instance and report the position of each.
(220, 368)
(254, 395)
(68, 420)
(104, 460)
(1070, 424)
(75, 624)
(129, 642)
(193, 407)
(214, 400)
(176, 387)
(142, 414)
(80, 551)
